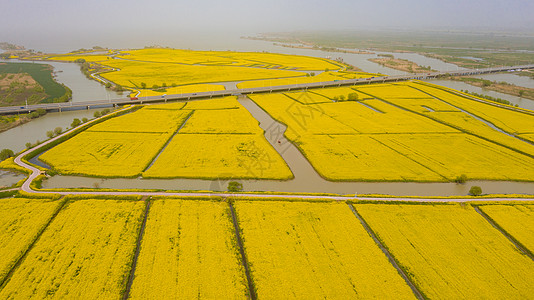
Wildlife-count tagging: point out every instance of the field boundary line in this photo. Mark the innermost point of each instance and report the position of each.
(458, 128)
(137, 249)
(475, 116)
(386, 252)
(168, 142)
(19, 261)
(251, 288)
(496, 225)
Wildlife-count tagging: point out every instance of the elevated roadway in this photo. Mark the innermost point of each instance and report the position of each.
(267, 89)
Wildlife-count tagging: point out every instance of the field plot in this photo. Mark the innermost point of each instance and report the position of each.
(423, 105)
(325, 76)
(188, 252)
(106, 154)
(133, 73)
(362, 158)
(340, 93)
(420, 135)
(301, 119)
(20, 222)
(215, 156)
(72, 58)
(234, 121)
(247, 59)
(85, 253)
(183, 89)
(469, 124)
(221, 139)
(145, 120)
(478, 158)
(307, 97)
(122, 146)
(508, 120)
(218, 103)
(376, 117)
(314, 251)
(392, 91)
(451, 252)
(527, 136)
(517, 220)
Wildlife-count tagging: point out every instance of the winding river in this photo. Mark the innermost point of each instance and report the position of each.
(306, 179)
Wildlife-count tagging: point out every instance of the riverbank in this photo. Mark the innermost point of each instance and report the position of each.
(401, 65)
(326, 49)
(9, 122)
(501, 87)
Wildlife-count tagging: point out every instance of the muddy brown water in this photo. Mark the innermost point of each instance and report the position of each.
(306, 178)
(9, 178)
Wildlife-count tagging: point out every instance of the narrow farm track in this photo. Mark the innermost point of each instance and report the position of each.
(37, 237)
(35, 172)
(137, 249)
(251, 289)
(386, 252)
(169, 141)
(268, 89)
(503, 232)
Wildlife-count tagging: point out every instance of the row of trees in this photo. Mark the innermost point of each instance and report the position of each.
(155, 86)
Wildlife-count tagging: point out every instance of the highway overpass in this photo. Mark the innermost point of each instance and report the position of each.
(268, 89)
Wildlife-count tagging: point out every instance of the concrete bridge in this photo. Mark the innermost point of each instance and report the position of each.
(268, 89)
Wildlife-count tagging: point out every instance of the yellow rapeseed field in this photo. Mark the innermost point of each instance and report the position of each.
(248, 59)
(314, 251)
(375, 116)
(220, 139)
(86, 253)
(454, 154)
(362, 158)
(340, 92)
(451, 252)
(183, 89)
(235, 121)
(307, 97)
(326, 76)
(145, 120)
(301, 119)
(106, 154)
(213, 156)
(133, 73)
(423, 105)
(20, 222)
(216, 103)
(508, 120)
(188, 251)
(517, 220)
(469, 124)
(414, 136)
(87, 58)
(527, 136)
(392, 91)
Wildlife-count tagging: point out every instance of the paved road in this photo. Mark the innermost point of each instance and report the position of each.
(189, 96)
(36, 172)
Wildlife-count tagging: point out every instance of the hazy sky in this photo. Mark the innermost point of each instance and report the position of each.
(34, 22)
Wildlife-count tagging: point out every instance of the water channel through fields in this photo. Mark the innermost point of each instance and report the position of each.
(306, 178)
(8, 178)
